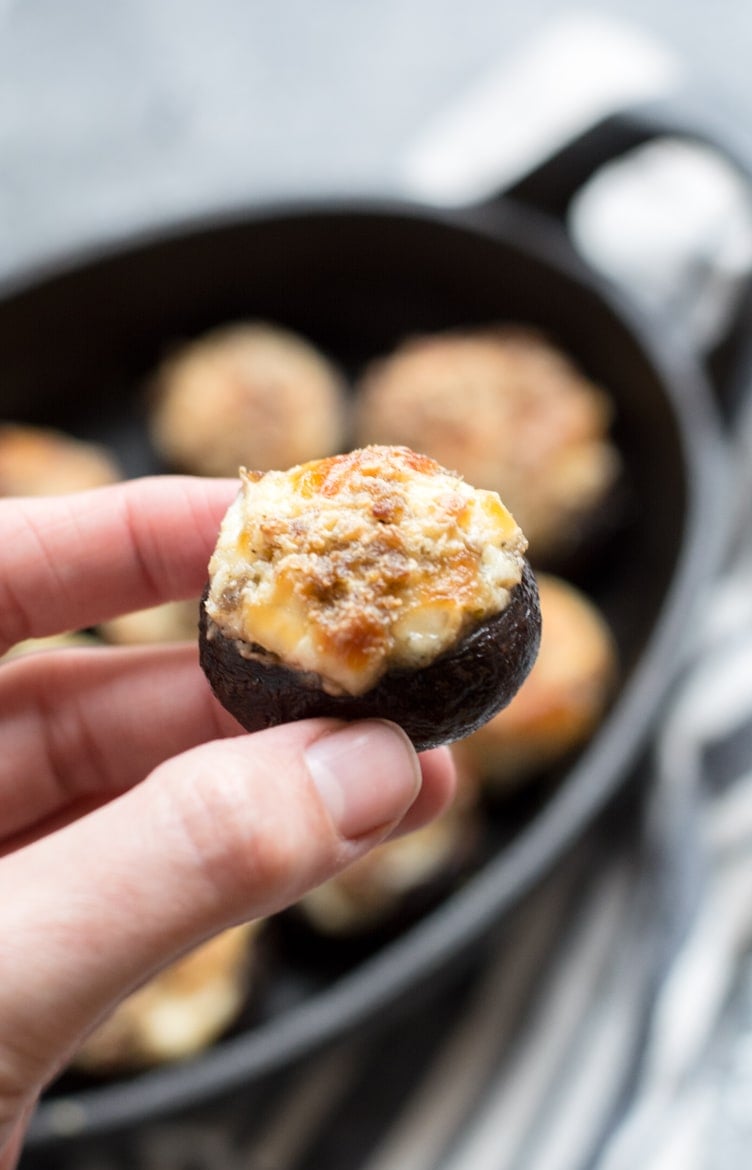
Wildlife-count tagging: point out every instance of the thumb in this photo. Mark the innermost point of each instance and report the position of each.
(228, 831)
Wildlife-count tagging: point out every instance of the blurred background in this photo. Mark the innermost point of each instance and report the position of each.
(119, 114)
(120, 119)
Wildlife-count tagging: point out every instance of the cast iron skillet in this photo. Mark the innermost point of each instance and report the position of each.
(76, 342)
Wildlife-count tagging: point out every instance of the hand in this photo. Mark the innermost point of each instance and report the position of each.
(135, 819)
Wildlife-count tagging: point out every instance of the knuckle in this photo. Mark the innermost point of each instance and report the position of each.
(15, 621)
(144, 546)
(272, 862)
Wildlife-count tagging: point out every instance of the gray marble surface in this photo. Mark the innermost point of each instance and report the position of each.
(141, 111)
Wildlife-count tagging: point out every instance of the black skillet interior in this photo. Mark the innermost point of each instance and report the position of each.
(76, 349)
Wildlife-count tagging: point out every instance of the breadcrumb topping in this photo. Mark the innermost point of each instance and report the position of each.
(358, 563)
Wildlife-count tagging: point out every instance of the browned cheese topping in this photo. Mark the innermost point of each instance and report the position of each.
(351, 565)
(507, 410)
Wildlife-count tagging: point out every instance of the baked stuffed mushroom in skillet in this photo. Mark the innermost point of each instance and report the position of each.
(246, 391)
(510, 412)
(370, 584)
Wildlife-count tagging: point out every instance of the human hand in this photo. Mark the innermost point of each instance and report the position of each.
(135, 820)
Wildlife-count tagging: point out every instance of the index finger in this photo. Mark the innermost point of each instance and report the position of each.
(72, 561)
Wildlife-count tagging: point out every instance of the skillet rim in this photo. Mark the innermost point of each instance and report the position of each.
(596, 776)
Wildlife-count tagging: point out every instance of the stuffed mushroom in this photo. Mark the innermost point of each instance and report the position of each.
(510, 412)
(180, 1011)
(247, 391)
(562, 701)
(171, 621)
(42, 461)
(370, 584)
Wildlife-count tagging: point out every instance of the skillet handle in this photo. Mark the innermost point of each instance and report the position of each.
(553, 184)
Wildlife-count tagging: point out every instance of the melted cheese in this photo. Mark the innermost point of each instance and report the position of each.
(349, 566)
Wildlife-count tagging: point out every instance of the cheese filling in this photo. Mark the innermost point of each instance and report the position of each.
(356, 564)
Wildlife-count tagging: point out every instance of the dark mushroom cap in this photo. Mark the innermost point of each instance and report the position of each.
(442, 702)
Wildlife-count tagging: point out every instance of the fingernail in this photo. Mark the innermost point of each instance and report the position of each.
(367, 776)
